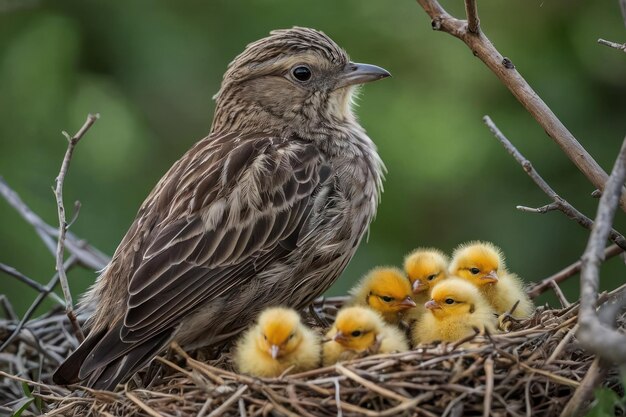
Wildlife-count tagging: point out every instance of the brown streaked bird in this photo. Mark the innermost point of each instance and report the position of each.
(267, 210)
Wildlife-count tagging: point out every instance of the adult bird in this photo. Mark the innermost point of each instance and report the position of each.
(266, 210)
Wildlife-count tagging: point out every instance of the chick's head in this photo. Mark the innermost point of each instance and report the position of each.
(357, 328)
(279, 332)
(425, 267)
(481, 263)
(453, 297)
(388, 291)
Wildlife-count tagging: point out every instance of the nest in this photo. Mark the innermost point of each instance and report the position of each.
(534, 369)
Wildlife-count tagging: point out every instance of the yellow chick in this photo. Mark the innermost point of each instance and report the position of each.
(482, 264)
(456, 308)
(278, 341)
(357, 330)
(425, 267)
(385, 290)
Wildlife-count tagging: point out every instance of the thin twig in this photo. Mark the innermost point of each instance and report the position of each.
(559, 294)
(569, 271)
(505, 70)
(58, 193)
(12, 272)
(593, 334)
(575, 406)
(87, 255)
(562, 204)
(488, 386)
(473, 23)
(619, 46)
(31, 310)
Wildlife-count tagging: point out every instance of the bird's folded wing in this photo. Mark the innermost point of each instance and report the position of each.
(234, 205)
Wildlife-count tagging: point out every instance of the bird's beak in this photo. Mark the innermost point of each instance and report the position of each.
(407, 303)
(274, 349)
(419, 287)
(432, 305)
(492, 276)
(360, 74)
(340, 337)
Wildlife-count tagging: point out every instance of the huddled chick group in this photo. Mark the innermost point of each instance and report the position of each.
(438, 299)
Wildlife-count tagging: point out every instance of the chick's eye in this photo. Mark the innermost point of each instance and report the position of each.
(387, 299)
(356, 333)
(301, 73)
(449, 301)
(474, 270)
(431, 277)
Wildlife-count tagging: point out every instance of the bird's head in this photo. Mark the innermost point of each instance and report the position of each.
(388, 290)
(279, 332)
(297, 78)
(357, 328)
(425, 267)
(453, 297)
(478, 262)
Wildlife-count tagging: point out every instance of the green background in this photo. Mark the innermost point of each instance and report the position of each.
(151, 68)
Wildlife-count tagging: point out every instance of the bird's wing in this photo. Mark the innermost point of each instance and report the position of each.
(235, 206)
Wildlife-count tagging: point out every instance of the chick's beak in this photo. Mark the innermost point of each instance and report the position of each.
(432, 305)
(407, 303)
(492, 276)
(360, 74)
(274, 349)
(418, 287)
(340, 337)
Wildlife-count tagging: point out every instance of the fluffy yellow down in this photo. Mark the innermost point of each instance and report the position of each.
(482, 264)
(278, 341)
(456, 308)
(385, 290)
(361, 331)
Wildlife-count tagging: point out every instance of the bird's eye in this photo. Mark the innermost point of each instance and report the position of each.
(474, 270)
(431, 277)
(265, 337)
(386, 298)
(301, 73)
(356, 333)
(449, 301)
(291, 336)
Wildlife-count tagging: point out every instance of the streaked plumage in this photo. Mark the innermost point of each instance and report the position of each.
(277, 342)
(267, 210)
(385, 290)
(358, 331)
(456, 308)
(482, 264)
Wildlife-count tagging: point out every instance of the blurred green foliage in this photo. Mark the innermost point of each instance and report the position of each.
(151, 68)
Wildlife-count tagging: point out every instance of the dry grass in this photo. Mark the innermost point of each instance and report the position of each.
(532, 370)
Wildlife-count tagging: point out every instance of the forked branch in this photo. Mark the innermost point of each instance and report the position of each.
(558, 202)
(58, 193)
(504, 69)
(594, 334)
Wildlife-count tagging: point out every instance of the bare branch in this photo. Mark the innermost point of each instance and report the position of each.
(504, 69)
(87, 255)
(473, 22)
(58, 193)
(620, 46)
(10, 271)
(593, 334)
(42, 295)
(576, 405)
(558, 202)
(567, 272)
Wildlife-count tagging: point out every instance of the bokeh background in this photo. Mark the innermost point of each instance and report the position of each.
(151, 68)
